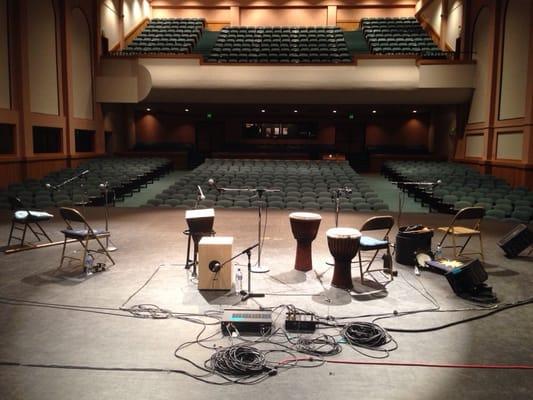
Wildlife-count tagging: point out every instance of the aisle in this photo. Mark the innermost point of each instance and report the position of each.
(389, 193)
(140, 198)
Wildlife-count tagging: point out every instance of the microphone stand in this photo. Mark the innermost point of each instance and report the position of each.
(109, 247)
(258, 268)
(337, 193)
(245, 294)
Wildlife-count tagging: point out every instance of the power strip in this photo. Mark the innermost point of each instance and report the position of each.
(301, 322)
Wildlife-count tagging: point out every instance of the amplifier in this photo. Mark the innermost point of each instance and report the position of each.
(246, 321)
(516, 241)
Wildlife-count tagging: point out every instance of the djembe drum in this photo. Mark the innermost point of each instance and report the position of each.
(343, 245)
(304, 228)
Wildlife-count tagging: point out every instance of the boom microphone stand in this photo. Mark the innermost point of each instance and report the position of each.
(215, 266)
(258, 268)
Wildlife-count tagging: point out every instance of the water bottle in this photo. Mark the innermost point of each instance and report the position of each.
(438, 253)
(238, 281)
(88, 263)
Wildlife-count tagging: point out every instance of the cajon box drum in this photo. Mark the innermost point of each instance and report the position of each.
(215, 248)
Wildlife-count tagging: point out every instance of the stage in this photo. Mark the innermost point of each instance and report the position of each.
(55, 331)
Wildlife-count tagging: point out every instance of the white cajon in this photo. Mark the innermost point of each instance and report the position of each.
(215, 248)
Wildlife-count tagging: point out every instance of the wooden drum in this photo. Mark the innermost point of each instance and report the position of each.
(304, 228)
(343, 245)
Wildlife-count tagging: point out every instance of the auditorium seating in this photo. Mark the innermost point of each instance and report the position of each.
(166, 36)
(124, 176)
(462, 187)
(280, 45)
(303, 185)
(401, 36)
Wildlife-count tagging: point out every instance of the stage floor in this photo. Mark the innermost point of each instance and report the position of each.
(151, 245)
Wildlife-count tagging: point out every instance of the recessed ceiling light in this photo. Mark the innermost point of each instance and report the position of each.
(374, 111)
(263, 110)
(414, 111)
(148, 109)
(186, 110)
(334, 111)
(295, 111)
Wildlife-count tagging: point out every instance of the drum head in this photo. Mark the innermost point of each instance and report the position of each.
(305, 216)
(343, 233)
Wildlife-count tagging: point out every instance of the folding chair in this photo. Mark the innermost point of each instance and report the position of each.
(369, 243)
(26, 217)
(79, 229)
(472, 216)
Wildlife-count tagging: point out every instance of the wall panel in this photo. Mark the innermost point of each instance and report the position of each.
(81, 62)
(42, 57)
(515, 60)
(480, 100)
(510, 145)
(5, 82)
(134, 12)
(432, 14)
(455, 22)
(109, 21)
(475, 146)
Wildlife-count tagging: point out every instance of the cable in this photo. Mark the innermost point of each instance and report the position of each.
(370, 336)
(238, 360)
(462, 321)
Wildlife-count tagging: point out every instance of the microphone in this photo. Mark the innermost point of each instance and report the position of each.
(82, 174)
(202, 197)
(211, 182)
(215, 266)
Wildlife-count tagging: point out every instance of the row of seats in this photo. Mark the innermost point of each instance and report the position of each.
(402, 36)
(123, 175)
(167, 36)
(301, 184)
(280, 45)
(461, 187)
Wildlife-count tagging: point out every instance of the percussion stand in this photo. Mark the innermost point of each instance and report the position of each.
(188, 261)
(337, 194)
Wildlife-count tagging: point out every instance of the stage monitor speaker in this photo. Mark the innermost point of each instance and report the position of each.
(516, 241)
(466, 278)
(214, 250)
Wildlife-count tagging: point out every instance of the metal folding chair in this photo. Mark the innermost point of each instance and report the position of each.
(79, 229)
(24, 219)
(369, 243)
(472, 217)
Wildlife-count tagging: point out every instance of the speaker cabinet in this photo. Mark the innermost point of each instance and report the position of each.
(212, 249)
(516, 241)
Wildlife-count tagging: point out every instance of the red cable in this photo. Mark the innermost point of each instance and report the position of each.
(411, 364)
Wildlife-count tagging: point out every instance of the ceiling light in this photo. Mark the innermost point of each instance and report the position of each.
(334, 111)
(295, 111)
(186, 110)
(148, 109)
(263, 110)
(374, 111)
(414, 111)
